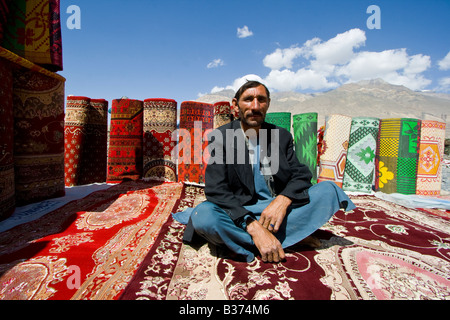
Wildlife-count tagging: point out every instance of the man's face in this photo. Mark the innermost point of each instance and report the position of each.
(252, 105)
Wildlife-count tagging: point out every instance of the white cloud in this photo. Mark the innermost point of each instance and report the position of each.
(393, 66)
(338, 50)
(244, 32)
(444, 84)
(303, 79)
(444, 64)
(215, 63)
(339, 60)
(282, 58)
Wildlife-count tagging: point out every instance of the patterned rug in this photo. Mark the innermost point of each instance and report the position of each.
(334, 149)
(160, 122)
(125, 141)
(33, 31)
(362, 148)
(38, 136)
(379, 251)
(7, 188)
(305, 141)
(75, 137)
(431, 153)
(94, 160)
(397, 157)
(89, 248)
(196, 119)
(281, 119)
(222, 113)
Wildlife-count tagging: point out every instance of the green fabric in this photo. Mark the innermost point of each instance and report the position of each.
(360, 162)
(305, 141)
(398, 156)
(408, 156)
(281, 119)
(14, 34)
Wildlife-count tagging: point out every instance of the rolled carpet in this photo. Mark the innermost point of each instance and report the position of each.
(334, 148)
(125, 141)
(160, 122)
(305, 141)
(196, 118)
(360, 163)
(397, 157)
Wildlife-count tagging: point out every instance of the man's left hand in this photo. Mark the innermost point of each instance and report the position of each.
(272, 217)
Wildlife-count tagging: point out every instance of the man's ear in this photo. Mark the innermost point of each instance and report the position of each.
(235, 105)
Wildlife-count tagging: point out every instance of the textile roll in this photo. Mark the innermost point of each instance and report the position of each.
(305, 141)
(281, 119)
(360, 164)
(196, 118)
(397, 158)
(94, 154)
(76, 120)
(33, 31)
(234, 113)
(222, 113)
(160, 121)
(3, 16)
(334, 148)
(125, 141)
(38, 136)
(7, 192)
(431, 152)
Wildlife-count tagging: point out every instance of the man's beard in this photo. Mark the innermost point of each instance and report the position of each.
(252, 122)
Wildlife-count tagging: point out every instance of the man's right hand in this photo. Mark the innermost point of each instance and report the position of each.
(268, 245)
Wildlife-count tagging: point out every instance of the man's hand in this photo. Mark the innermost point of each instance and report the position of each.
(272, 217)
(268, 245)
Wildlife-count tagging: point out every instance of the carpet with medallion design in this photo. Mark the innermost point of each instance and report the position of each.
(121, 242)
(379, 251)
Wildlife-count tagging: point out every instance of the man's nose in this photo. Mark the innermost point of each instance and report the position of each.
(255, 104)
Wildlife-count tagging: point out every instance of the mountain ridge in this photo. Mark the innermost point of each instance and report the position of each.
(371, 98)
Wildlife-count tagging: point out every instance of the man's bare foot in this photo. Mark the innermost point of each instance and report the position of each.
(311, 241)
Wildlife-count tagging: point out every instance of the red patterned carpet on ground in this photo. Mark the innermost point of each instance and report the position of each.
(122, 243)
(379, 251)
(88, 249)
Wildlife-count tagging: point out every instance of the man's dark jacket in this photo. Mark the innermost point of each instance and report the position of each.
(231, 185)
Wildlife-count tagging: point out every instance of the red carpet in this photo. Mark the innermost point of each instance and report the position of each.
(7, 192)
(125, 141)
(38, 136)
(88, 249)
(122, 243)
(191, 167)
(160, 122)
(85, 140)
(379, 251)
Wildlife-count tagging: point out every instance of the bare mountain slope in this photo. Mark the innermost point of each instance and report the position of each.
(374, 98)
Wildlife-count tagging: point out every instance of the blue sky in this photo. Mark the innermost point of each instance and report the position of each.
(179, 49)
